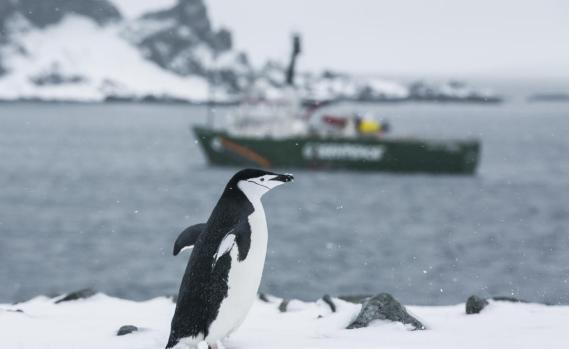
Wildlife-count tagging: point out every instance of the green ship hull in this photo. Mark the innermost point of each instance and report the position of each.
(362, 154)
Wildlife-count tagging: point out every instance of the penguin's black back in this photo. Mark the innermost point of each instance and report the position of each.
(203, 289)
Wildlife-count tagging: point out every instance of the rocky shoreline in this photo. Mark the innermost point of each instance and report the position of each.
(382, 306)
(234, 101)
(86, 319)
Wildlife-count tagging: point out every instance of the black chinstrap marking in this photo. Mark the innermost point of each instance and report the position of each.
(259, 185)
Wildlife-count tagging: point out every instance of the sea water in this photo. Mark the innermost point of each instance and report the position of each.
(95, 195)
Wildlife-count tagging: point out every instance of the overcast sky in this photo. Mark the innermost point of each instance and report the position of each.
(453, 37)
(507, 37)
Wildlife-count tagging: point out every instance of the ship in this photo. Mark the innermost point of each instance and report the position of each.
(288, 132)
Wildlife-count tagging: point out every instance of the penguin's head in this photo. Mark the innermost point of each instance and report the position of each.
(255, 183)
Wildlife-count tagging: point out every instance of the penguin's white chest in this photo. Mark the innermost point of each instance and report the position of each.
(243, 280)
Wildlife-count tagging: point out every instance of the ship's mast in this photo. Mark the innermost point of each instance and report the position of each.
(292, 65)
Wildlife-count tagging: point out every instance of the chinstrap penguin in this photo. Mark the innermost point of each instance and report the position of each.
(223, 274)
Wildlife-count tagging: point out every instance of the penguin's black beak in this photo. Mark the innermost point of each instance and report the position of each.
(284, 178)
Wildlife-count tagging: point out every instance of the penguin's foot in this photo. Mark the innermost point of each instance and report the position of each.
(212, 346)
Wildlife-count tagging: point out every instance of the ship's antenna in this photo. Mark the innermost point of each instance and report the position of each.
(295, 52)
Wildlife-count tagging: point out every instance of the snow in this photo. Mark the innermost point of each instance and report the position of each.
(136, 8)
(93, 323)
(106, 63)
(387, 87)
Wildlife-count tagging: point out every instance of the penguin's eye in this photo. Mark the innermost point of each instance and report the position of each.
(262, 179)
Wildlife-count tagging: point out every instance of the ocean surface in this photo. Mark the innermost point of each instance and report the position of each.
(95, 195)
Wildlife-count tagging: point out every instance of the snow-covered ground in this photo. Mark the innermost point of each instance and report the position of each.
(93, 323)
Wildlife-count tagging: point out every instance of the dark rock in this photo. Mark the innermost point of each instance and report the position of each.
(508, 299)
(192, 13)
(475, 304)
(14, 310)
(162, 99)
(126, 329)
(283, 306)
(222, 41)
(263, 297)
(358, 299)
(177, 38)
(47, 12)
(328, 300)
(452, 91)
(384, 307)
(56, 78)
(81, 294)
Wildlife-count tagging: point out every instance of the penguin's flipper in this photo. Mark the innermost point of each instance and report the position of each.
(239, 235)
(188, 238)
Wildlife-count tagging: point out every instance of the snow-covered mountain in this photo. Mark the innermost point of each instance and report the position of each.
(87, 50)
